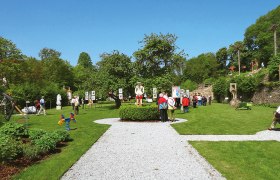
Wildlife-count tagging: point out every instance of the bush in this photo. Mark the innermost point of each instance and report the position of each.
(220, 89)
(132, 112)
(45, 143)
(30, 151)
(36, 134)
(63, 135)
(14, 129)
(9, 148)
(273, 67)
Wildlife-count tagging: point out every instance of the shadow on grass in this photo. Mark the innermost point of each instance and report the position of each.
(106, 108)
(275, 129)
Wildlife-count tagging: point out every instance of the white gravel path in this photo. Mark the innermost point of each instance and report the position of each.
(131, 150)
(260, 136)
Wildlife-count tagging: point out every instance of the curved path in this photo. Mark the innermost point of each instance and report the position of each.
(150, 150)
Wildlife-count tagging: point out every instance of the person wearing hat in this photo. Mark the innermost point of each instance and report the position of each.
(139, 91)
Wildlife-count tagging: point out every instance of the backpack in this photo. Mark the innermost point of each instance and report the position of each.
(163, 105)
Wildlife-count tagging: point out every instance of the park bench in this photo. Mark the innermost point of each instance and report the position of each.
(244, 105)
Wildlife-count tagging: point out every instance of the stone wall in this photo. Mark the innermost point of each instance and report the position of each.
(266, 96)
(204, 90)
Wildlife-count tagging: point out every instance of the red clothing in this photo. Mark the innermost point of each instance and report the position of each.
(185, 101)
(161, 100)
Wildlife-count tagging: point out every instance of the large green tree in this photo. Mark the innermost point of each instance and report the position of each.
(85, 60)
(9, 51)
(222, 57)
(200, 68)
(158, 56)
(114, 72)
(55, 69)
(259, 37)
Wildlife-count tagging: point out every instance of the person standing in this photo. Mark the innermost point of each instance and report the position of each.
(42, 106)
(171, 108)
(76, 105)
(185, 103)
(73, 102)
(194, 100)
(210, 100)
(162, 106)
(199, 99)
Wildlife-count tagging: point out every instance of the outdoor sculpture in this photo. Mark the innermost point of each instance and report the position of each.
(233, 90)
(67, 121)
(58, 101)
(139, 91)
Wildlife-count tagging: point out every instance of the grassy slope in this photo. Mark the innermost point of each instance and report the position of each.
(84, 136)
(223, 119)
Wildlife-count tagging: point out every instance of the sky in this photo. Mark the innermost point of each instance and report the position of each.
(101, 26)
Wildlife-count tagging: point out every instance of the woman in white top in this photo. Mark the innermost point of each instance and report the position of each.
(171, 108)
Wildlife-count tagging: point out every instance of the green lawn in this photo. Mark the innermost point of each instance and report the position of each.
(86, 133)
(235, 160)
(223, 119)
(242, 160)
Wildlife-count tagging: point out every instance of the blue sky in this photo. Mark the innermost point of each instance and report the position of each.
(98, 26)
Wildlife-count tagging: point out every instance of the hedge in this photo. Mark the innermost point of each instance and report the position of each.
(136, 113)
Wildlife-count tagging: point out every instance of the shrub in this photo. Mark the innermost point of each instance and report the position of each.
(30, 151)
(36, 134)
(63, 135)
(132, 112)
(273, 67)
(45, 143)
(9, 148)
(14, 129)
(220, 89)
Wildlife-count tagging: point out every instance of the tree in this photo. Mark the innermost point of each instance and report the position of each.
(274, 29)
(239, 56)
(9, 51)
(222, 57)
(114, 72)
(47, 53)
(258, 38)
(158, 56)
(55, 69)
(84, 60)
(200, 68)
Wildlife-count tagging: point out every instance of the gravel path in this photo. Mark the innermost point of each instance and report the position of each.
(260, 136)
(131, 150)
(150, 150)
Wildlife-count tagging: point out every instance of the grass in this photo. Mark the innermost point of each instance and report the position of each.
(86, 133)
(243, 160)
(223, 119)
(235, 160)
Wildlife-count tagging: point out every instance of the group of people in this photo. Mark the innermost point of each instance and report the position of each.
(200, 100)
(167, 105)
